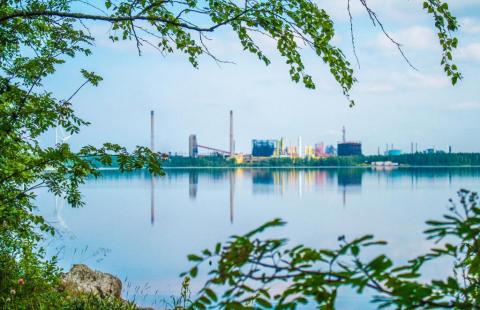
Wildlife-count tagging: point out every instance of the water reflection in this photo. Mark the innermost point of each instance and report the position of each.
(192, 184)
(192, 209)
(232, 193)
(59, 204)
(264, 181)
(152, 199)
(349, 180)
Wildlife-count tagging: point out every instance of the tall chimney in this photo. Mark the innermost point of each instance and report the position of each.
(152, 178)
(152, 131)
(232, 143)
(343, 134)
(300, 150)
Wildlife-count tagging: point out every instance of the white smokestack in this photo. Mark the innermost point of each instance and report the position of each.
(300, 152)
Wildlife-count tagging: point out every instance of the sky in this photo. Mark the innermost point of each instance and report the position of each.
(394, 103)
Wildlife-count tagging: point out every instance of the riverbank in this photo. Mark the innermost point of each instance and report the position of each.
(407, 160)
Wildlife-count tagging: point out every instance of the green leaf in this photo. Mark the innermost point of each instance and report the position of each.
(194, 258)
(193, 272)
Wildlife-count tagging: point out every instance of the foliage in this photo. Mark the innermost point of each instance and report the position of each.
(27, 282)
(93, 302)
(210, 161)
(184, 300)
(247, 269)
(435, 159)
(416, 159)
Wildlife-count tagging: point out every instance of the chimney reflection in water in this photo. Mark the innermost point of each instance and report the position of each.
(232, 193)
(152, 199)
(193, 189)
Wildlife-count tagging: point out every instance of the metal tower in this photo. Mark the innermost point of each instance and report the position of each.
(152, 131)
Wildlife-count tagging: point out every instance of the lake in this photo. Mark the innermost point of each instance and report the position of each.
(142, 230)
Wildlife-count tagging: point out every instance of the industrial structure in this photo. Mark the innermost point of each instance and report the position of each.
(263, 148)
(393, 152)
(276, 148)
(152, 178)
(193, 145)
(345, 148)
(232, 141)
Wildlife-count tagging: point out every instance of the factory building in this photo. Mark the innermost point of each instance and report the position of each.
(394, 152)
(330, 150)
(292, 151)
(263, 148)
(192, 146)
(349, 149)
(319, 150)
(309, 151)
(345, 148)
(280, 148)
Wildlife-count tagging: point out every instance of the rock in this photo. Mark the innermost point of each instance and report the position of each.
(82, 279)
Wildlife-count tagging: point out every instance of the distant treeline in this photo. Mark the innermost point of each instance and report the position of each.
(417, 159)
(435, 159)
(211, 161)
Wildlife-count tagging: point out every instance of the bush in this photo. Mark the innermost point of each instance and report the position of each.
(246, 268)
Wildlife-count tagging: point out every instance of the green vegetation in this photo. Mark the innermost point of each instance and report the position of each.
(436, 159)
(418, 159)
(244, 272)
(37, 36)
(211, 161)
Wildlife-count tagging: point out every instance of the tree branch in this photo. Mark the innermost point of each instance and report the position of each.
(113, 19)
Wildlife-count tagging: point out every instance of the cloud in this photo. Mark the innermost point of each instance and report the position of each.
(396, 81)
(470, 25)
(415, 37)
(417, 80)
(465, 106)
(375, 88)
(386, 10)
(469, 52)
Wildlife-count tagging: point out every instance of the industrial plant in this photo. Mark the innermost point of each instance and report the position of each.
(276, 148)
(265, 149)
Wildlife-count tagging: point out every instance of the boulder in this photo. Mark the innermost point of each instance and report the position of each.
(82, 279)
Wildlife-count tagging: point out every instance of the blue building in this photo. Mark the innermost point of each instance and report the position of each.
(263, 148)
(394, 152)
(330, 150)
(349, 149)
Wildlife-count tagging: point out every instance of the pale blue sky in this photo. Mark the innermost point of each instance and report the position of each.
(394, 103)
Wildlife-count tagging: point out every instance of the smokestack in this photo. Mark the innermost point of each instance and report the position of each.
(343, 134)
(152, 131)
(300, 153)
(152, 179)
(232, 143)
(411, 148)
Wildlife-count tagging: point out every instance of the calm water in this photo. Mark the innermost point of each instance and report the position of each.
(142, 231)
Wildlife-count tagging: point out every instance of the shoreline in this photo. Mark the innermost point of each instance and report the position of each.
(308, 167)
